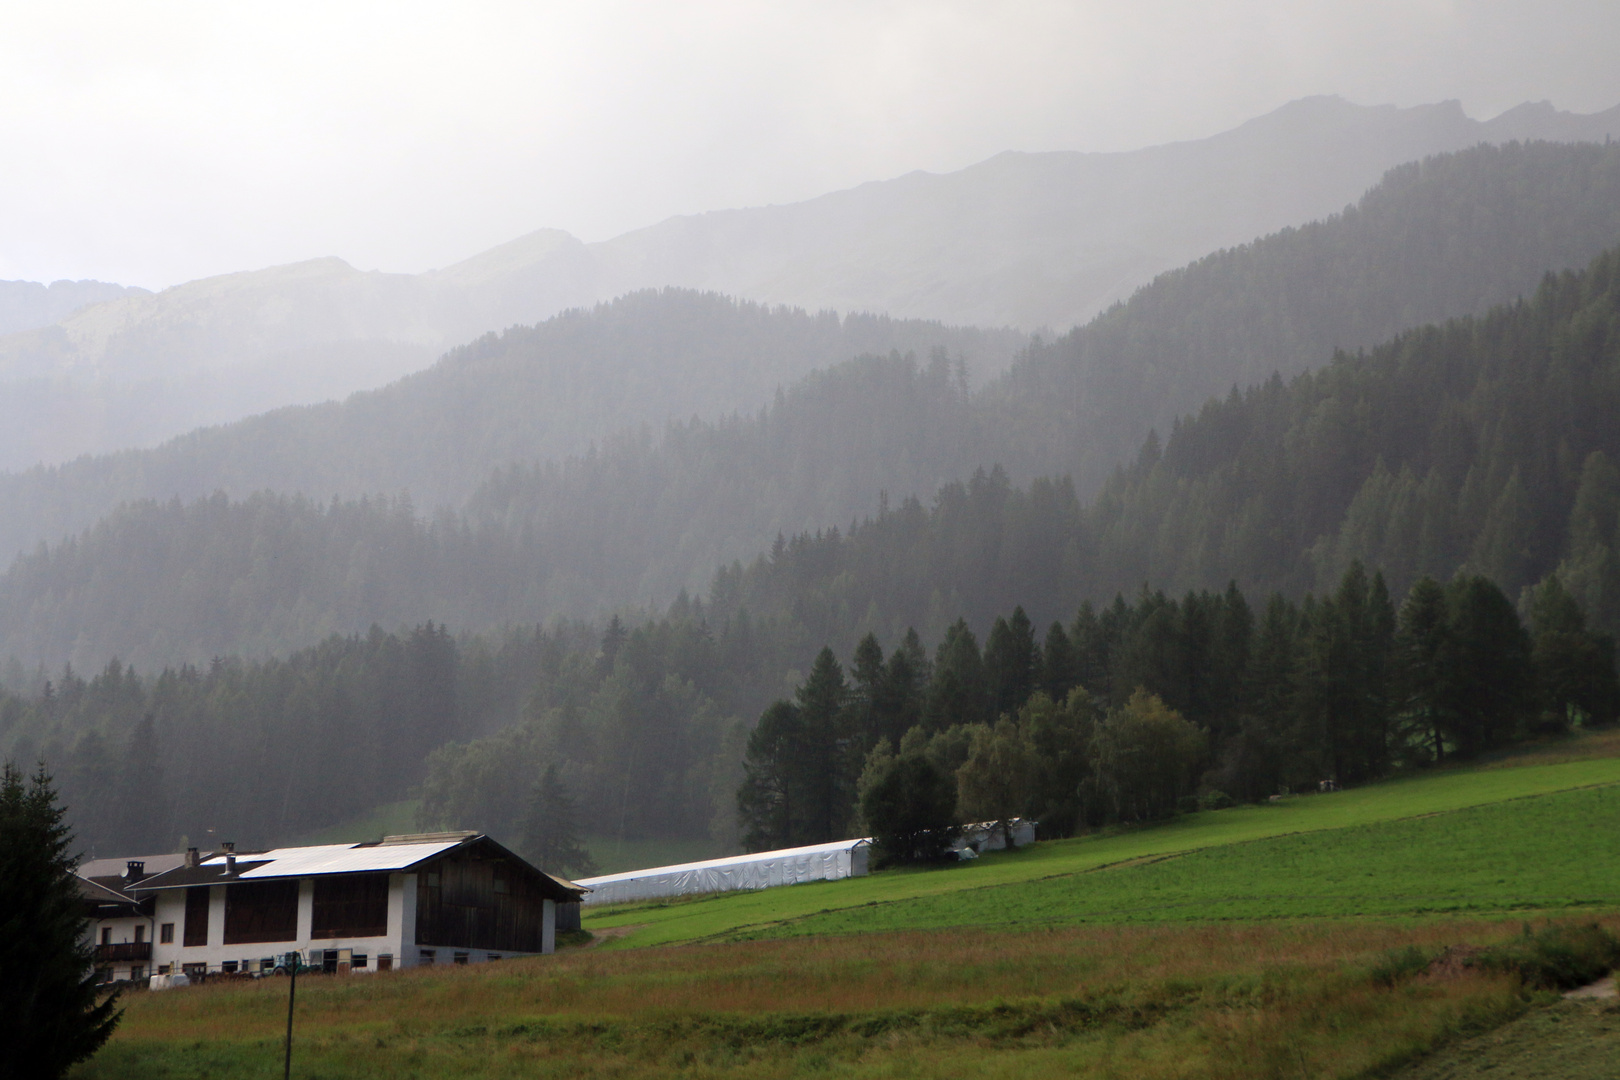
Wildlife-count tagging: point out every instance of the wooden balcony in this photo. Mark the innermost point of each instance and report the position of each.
(124, 952)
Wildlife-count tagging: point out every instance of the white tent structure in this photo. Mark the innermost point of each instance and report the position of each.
(761, 870)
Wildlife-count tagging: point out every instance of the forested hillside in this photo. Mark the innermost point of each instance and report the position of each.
(1479, 453)
(1436, 239)
(1486, 445)
(649, 513)
(545, 392)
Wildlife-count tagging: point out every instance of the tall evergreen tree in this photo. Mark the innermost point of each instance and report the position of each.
(50, 1018)
(1490, 676)
(550, 829)
(1011, 663)
(1060, 664)
(957, 694)
(1575, 672)
(770, 802)
(829, 760)
(1422, 649)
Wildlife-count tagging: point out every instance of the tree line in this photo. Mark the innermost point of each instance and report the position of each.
(1139, 709)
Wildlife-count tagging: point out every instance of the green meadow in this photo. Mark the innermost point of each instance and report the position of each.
(1255, 942)
(1051, 869)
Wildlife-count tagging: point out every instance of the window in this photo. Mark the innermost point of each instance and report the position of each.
(166, 933)
(193, 970)
(106, 935)
(140, 933)
(385, 962)
(494, 956)
(461, 958)
(358, 960)
(136, 974)
(164, 969)
(427, 956)
(228, 966)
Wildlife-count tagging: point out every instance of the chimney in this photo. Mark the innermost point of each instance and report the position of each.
(192, 858)
(135, 869)
(230, 856)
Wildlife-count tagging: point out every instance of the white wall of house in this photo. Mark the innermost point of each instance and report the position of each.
(399, 944)
(123, 931)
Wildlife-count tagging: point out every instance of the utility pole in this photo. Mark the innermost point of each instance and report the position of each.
(292, 994)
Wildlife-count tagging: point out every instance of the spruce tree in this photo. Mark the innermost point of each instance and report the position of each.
(551, 838)
(1011, 663)
(1422, 648)
(49, 1014)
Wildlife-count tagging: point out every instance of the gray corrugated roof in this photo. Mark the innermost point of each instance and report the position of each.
(155, 864)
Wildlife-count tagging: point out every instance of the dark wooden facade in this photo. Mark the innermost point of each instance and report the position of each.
(479, 897)
(260, 911)
(196, 931)
(350, 906)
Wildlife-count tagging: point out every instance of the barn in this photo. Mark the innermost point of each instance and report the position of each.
(427, 898)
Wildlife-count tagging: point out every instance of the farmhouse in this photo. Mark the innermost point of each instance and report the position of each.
(430, 898)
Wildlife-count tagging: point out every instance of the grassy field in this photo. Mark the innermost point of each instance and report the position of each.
(1540, 853)
(1185, 1002)
(745, 913)
(1241, 943)
(1573, 1040)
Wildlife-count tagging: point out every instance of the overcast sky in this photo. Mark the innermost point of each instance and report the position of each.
(154, 143)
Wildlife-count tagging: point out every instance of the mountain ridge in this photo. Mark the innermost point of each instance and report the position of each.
(1023, 239)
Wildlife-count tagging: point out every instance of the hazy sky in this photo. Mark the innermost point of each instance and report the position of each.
(157, 142)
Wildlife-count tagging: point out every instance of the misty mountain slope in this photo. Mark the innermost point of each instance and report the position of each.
(158, 583)
(533, 393)
(645, 515)
(1050, 239)
(1485, 444)
(1023, 239)
(1447, 236)
(25, 305)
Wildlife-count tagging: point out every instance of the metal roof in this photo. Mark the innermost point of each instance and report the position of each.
(96, 893)
(395, 853)
(154, 864)
(339, 859)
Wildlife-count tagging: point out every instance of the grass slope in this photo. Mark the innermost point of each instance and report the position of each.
(743, 913)
(1573, 1040)
(1216, 1001)
(1030, 964)
(1539, 853)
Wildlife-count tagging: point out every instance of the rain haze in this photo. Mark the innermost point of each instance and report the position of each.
(473, 476)
(156, 144)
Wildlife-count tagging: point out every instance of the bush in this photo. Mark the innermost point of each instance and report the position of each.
(1398, 965)
(1556, 957)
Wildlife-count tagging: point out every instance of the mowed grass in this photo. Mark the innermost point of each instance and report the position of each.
(734, 914)
(1217, 1000)
(1547, 852)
